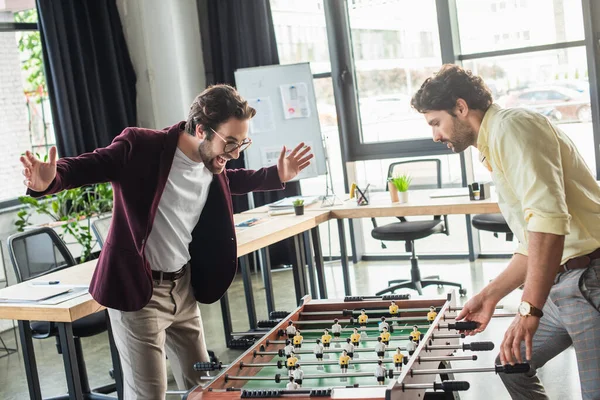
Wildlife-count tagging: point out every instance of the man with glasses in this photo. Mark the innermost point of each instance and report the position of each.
(172, 238)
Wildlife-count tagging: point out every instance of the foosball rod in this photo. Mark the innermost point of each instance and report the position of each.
(504, 369)
(374, 338)
(351, 312)
(281, 364)
(459, 326)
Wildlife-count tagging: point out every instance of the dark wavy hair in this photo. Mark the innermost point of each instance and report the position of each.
(215, 105)
(449, 84)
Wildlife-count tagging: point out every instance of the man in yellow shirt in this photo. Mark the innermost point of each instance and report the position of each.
(385, 336)
(326, 338)
(291, 361)
(431, 314)
(363, 318)
(393, 308)
(415, 335)
(298, 339)
(551, 202)
(344, 360)
(355, 337)
(398, 358)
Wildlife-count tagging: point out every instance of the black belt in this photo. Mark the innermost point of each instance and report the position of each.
(168, 276)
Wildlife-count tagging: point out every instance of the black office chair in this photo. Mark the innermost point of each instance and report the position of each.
(41, 251)
(492, 223)
(426, 174)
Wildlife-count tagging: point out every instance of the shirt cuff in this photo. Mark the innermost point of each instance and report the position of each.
(557, 224)
(522, 249)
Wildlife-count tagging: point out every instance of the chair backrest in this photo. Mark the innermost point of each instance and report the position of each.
(425, 174)
(101, 227)
(38, 252)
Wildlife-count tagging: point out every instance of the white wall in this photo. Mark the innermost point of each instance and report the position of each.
(163, 37)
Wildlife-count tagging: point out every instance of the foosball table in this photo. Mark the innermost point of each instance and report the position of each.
(423, 337)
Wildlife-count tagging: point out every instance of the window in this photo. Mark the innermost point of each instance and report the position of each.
(25, 117)
(542, 22)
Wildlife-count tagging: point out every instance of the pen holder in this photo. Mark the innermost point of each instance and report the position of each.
(479, 191)
(362, 197)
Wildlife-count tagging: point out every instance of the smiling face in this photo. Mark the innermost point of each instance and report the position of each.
(454, 131)
(212, 147)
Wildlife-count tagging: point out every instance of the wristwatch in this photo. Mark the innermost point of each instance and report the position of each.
(526, 309)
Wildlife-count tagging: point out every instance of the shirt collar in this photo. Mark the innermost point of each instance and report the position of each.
(484, 130)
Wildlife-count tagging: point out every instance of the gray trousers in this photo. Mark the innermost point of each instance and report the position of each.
(571, 317)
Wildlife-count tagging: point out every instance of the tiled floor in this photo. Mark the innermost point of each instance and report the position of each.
(559, 375)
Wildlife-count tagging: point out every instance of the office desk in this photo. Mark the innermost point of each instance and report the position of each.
(63, 314)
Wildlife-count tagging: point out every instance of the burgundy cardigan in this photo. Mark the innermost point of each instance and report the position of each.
(137, 163)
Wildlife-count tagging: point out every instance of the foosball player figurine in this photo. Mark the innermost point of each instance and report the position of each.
(355, 337)
(290, 330)
(380, 373)
(380, 348)
(298, 339)
(349, 348)
(336, 328)
(393, 309)
(291, 385)
(298, 375)
(431, 314)
(363, 318)
(411, 347)
(415, 335)
(385, 336)
(289, 348)
(326, 338)
(318, 350)
(383, 324)
(398, 357)
(291, 362)
(344, 360)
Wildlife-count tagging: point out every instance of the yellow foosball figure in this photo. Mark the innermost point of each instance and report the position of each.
(431, 314)
(291, 362)
(385, 336)
(326, 338)
(355, 337)
(363, 318)
(398, 359)
(415, 335)
(393, 308)
(298, 340)
(344, 360)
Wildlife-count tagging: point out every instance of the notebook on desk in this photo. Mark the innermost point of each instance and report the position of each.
(452, 192)
(288, 202)
(26, 293)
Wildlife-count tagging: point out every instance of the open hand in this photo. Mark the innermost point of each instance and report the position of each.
(477, 309)
(290, 166)
(521, 329)
(38, 174)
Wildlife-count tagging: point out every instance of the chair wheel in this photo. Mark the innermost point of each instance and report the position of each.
(462, 291)
(111, 372)
(440, 286)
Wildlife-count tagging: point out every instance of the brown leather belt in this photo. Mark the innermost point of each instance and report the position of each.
(581, 261)
(168, 276)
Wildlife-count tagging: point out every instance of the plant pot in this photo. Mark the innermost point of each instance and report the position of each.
(393, 192)
(403, 197)
(299, 210)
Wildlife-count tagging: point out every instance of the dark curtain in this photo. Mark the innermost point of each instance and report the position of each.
(91, 81)
(240, 34)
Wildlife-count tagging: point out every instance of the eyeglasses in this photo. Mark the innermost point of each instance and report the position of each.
(231, 147)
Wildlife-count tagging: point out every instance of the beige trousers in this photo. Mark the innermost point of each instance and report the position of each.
(171, 321)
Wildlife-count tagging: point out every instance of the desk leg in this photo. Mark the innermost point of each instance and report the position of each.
(116, 360)
(344, 257)
(67, 344)
(298, 270)
(265, 266)
(316, 243)
(311, 265)
(226, 315)
(33, 380)
(248, 291)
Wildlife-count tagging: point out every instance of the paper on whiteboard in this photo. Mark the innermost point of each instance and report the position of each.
(270, 154)
(263, 121)
(294, 98)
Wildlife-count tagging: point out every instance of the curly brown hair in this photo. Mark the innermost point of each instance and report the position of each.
(215, 105)
(449, 84)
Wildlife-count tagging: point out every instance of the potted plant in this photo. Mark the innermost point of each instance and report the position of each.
(402, 183)
(299, 206)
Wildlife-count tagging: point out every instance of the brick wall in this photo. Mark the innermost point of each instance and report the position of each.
(14, 131)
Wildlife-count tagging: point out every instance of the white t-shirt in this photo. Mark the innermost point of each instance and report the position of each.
(349, 347)
(298, 374)
(379, 371)
(336, 328)
(291, 386)
(290, 330)
(179, 209)
(288, 349)
(379, 346)
(318, 349)
(384, 324)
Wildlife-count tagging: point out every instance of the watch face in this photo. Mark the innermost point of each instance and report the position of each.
(524, 308)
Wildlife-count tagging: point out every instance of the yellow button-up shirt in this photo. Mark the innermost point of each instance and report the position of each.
(542, 182)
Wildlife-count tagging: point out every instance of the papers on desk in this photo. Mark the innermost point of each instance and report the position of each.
(454, 192)
(288, 202)
(41, 294)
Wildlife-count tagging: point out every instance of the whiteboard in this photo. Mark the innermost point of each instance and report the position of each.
(286, 114)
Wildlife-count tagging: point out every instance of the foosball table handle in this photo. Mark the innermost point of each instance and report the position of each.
(258, 394)
(395, 297)
(451, 386)
(513, 369)
(464, 325)
(478, 346)
(208, 366)
(268, 323)
(278, 314)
